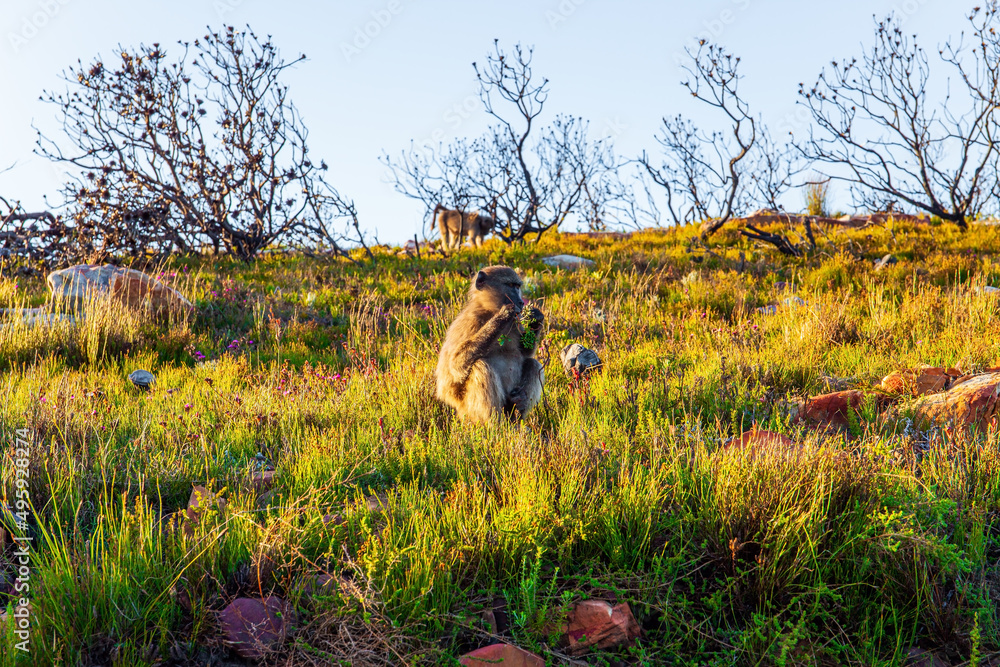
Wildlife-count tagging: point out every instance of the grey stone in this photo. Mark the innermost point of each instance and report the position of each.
(254, 627)
(885, 262)
(142, 379)
(75, 287)
(578, 359)
(569, 262)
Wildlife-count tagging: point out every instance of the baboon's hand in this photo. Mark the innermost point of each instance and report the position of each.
(538, 319)
(517, 400)
(507, 312)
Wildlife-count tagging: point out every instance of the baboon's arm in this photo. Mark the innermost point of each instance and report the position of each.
(476, 347)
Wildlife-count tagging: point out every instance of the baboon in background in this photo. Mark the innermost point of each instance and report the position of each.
(484, 370)
(456, 224)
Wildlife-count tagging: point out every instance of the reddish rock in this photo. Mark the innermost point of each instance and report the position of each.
(202, 498)
(320, 584)
(830, 409)
(496, 618)
(262, 480)
(971, 401)
(189, 517)
(596, 624)
(253, 627)
(920, 381)
(334, 519)
(504, 655)
(917, 657)
(758, 439)
(134, 289)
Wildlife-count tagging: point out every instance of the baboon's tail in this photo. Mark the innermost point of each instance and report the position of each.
(434, 215)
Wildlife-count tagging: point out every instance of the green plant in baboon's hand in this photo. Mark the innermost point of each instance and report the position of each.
(528, 335)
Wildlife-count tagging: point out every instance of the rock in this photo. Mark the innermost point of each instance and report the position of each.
(757, 440)
(253, 627)
(321, 584)
(970, 402)
(569, 262)
(578, 359)
(334, 519)
(986, 289)
(142, 379)
(203, 498)
(917, 657)
(792, 302)
(787, 302)
(33, 317)
(919, 381)
(691, 278)
(262, 480)
(75, 286)
(8, 520)
(885, 262)
(187, 519)
(496, 617)
(595, 624)
(830, 409)
(501, 654)
(831, 383)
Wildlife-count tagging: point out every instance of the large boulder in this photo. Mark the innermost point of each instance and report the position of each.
(253, 627)
(568, 262)
(970, 402)
(577, 359)
(503, 655)
(596, 624)
(75, 286)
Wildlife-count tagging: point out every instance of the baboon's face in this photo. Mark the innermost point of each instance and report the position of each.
(486, 223)
(499, 286)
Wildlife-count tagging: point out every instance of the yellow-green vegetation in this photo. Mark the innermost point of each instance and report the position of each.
(848, 551)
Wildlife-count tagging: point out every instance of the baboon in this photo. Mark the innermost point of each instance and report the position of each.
(456, 224)
(485, 370)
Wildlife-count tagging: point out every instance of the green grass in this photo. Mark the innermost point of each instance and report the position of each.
(847, 551)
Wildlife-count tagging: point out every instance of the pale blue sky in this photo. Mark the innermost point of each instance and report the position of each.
(613, 62)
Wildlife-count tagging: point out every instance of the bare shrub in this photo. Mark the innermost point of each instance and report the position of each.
(205, 150)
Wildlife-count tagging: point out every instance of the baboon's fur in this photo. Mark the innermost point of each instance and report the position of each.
(484, 371)
(456, 224)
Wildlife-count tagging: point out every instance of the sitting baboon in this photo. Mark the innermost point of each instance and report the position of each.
(487, 367)
(456, 224)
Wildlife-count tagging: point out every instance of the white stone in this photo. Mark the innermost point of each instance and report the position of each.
(569, 262)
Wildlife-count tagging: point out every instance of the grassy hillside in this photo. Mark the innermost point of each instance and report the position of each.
(853, 549)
